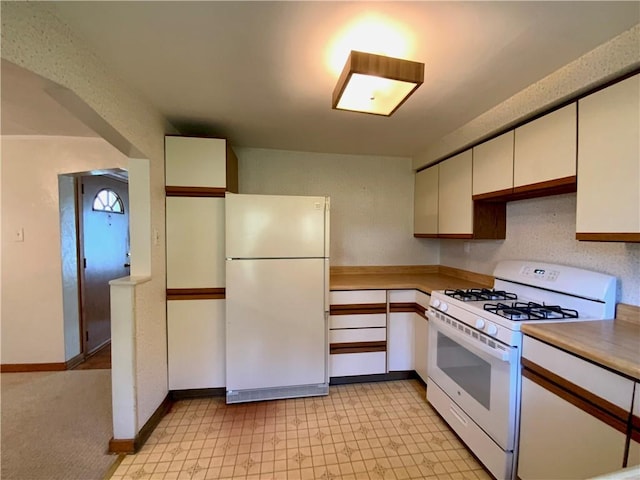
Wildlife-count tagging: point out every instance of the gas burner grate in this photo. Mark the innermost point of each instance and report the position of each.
(530, 311)
(478, 294)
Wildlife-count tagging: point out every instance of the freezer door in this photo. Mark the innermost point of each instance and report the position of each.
(275, 226)
(276, 327)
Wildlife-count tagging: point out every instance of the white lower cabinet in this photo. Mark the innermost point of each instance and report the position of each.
(400, 347)
(562, 434)
(421, 342)
(196, 344)
(634, 444)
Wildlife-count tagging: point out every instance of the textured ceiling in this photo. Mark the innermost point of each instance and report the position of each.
(257, 73)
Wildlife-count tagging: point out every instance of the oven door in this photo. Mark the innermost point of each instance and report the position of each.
(480, 379)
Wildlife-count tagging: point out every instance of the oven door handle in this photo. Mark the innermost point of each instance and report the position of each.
(452, 332)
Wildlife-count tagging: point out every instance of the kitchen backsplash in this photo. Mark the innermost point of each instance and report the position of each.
(544, 229)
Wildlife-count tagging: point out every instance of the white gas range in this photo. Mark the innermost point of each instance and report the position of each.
(475, 347)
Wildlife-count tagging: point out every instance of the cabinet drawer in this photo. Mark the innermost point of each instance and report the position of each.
(402, 296)
(345, 364)
(600, 382)
(351, 335)
(352, 297)
(358, 321)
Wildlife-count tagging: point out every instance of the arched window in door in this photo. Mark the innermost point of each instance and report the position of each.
(106, 200)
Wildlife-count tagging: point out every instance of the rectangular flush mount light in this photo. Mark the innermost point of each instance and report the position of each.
(376, 84)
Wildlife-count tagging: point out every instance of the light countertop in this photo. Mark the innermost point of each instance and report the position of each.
(611, 343)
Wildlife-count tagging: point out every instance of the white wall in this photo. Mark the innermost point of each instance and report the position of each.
(32, 307)
(34, 38)
(371, 201)
(544, 229)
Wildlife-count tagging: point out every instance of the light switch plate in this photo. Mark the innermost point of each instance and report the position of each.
(18, 235)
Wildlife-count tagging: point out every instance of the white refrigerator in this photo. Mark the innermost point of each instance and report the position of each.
(277, 296)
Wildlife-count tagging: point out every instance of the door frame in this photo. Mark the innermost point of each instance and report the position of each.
(117, 174)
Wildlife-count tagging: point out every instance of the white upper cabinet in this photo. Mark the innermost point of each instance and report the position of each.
(425, 209)
(545, 149)
(196, 162)
(493, 165)
(608, 199)
(455, 216)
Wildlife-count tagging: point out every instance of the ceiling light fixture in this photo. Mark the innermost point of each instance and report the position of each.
(376, 84)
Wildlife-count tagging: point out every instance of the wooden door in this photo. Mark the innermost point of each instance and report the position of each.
(105, 249)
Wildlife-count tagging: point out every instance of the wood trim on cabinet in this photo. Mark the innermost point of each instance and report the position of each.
(609, 237)
(489, 220)
(456, 236)
(232, 170)
(178, 191)
(33, 367)
(497, 196)
(635, 422)
(357, 347)
(586, 401)
(426, 235)
(358, 308)
(556, 186)
(407, 307)
(196, 293)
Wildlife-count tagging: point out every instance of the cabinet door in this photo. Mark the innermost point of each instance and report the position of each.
(400, 343)
(608, 198)
(561, 441)
(455, 206)
(545, 149)
(195, 162)
(493, 165)
(195, 242)
(425, 205)
(421, 341)
(196, 344)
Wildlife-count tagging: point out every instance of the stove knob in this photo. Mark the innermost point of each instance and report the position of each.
(435, 302)
(492, 330)
(444, 307)
(480, 323)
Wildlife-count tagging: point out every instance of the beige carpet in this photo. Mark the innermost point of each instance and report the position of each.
(55, 425)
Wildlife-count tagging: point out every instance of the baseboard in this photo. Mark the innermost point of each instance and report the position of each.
(197, 393)
(74, 362)
(32, 367)
(376, 377)
(133, 445)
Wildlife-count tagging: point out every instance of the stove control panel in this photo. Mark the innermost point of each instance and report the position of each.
(539, 273)
(488, 327)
